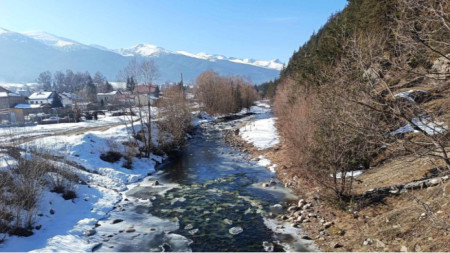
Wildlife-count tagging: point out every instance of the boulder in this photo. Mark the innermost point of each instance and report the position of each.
(328, 224)
(235, 230)
(89, 232)
(130, 230)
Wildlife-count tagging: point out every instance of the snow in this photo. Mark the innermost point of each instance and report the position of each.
(349, 174)
(426, 125)
(142, 50)
(7, 133)
(50, 39)
(261, 133)
(63, 231)
(272, 64)
(40, 95)
(406, 94)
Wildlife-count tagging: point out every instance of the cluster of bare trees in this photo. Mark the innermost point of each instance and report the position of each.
(144, 72)
(223, 95)
(175, 118)
(342, 117)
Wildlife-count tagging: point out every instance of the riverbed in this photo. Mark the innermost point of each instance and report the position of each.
(206, 197)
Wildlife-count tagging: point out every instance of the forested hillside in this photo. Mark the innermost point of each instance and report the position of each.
(370, 92)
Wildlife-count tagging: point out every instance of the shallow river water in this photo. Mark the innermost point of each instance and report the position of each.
(209, 198)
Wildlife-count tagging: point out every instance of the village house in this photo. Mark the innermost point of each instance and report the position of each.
(109, 97)
(41, 97)
(67, 99)
(10, 99)
(152, 90)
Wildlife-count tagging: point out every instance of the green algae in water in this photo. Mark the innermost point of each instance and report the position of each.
(211, 210)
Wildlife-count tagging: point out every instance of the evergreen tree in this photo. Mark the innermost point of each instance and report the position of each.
(56, 103)
(157, 91)
(108, 87)
(131, 84)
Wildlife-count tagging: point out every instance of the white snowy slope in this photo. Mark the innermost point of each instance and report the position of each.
(50, 39)
(63, 230)
(141, 50)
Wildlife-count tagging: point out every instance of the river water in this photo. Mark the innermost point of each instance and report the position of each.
(209, 198)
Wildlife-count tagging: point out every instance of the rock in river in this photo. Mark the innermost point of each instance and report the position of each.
(235, 230)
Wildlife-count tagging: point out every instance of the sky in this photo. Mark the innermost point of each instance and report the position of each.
(258, 29)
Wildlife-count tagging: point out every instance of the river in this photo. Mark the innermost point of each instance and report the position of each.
(208, 198)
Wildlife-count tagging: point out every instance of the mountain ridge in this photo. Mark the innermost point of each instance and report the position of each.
(54, 53)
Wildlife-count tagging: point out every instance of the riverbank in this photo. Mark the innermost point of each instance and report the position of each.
(415, 220)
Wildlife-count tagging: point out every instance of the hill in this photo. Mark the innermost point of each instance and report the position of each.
(369, 92)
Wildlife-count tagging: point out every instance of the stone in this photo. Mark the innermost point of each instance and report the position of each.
(277, 208)
(336, 245)
(379, 244)
(188, 227)
(313, 215)
(292, 209)
(300, 219)
(115, 221)
(272, 182)
(155, 183)
(96, 247)
(268, 247)
(417, 248)
(52, 211)
(368, 241)
(403, 249)
(235, 230)
(297, 214)
(193, 231)
(130, 230)
(89, 232)
(301, 202)
(265, 185)
(305, 237)
(322, 221)
(328, 224)
(307, 206)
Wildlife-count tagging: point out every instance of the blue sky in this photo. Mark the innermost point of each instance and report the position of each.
(260, 29)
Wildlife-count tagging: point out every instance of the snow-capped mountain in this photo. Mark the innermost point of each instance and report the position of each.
(50, 39)
(151, 50)
(25, 55)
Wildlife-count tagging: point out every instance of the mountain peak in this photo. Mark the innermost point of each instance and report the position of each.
(141, 49)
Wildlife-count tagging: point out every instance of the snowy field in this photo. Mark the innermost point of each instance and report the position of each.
(8, 133)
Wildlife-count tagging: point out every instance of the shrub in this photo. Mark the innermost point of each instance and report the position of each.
(111, 156)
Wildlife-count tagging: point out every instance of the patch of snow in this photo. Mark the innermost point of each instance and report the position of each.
(424, 124)
(406, 94)
(349, 174)
(263, 161)
(50, 39)
(281, 229)
(261, 133)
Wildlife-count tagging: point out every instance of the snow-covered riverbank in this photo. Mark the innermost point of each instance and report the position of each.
(62, 223)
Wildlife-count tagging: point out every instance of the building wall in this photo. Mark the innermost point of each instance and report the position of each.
(4, 103)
